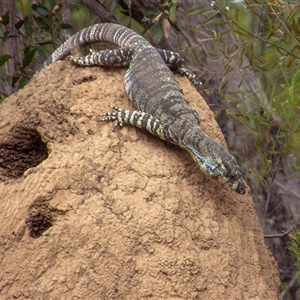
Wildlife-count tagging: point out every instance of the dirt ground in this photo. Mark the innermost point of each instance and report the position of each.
(87, 213)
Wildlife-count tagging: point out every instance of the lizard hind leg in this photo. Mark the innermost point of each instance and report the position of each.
(175, 62)
(190, 76)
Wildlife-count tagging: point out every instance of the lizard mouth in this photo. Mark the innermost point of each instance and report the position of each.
(238, 186)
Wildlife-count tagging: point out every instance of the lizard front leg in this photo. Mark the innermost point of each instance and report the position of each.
(121, 57)
(109, 58)
(136, 118)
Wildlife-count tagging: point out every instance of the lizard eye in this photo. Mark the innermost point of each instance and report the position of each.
(233, 175)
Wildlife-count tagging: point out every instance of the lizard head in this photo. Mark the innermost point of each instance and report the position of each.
(234, 178)
(214, 159)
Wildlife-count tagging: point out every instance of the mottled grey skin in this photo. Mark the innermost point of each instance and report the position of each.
(162, 109)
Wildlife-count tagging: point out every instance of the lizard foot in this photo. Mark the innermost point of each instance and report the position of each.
(76, 60)
(190, 76)
(115, 116)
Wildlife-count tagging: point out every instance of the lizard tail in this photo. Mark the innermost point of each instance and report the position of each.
(106, 32)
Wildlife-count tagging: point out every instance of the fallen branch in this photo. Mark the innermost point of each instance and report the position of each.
(279, 235)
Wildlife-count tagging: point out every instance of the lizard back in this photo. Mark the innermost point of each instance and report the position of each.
(164, 100)
(152, 88)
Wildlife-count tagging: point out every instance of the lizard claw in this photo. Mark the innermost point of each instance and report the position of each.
(112, 116)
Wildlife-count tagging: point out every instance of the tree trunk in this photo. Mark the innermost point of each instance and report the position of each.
(11, 45)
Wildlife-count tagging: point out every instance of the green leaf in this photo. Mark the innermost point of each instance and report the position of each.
(29, 54)
(174, 25)
(28, 27)
(41, 10)
(173, 12)
(127, 2)
(210, 19)
(19, 24)
(5, 36)
(15, 78)
(41, 22)
(153, 11)
(45, 42)
(200, 10)
(296, 140)
(5, 18)
(42, 53)
(157, 32)
(195, 11)
(4, 58)
(65, 26)
(23, 82)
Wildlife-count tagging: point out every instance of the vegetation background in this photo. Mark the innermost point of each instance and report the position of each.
(247, 54)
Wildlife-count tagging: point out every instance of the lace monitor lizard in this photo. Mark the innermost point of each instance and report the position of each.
(153, 90)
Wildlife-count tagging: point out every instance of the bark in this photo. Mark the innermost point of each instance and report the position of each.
(11, 45)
